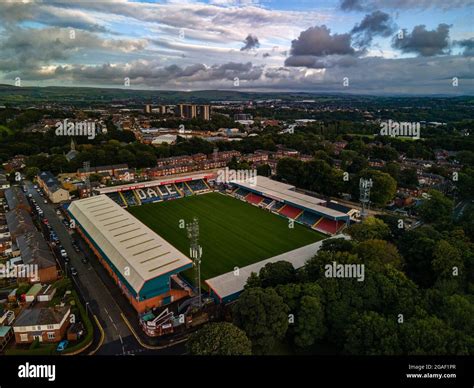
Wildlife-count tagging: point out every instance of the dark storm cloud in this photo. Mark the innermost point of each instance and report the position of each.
(424, 42)
(319, 41)
(250, 42)
(351, 5)
(317, 48)
(377, 23)
(468, 45)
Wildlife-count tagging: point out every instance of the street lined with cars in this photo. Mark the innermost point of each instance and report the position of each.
(56, 228)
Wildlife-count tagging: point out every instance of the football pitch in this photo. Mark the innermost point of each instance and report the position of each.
(232, 233)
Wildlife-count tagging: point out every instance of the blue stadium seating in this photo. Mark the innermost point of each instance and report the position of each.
(277, 206)
(198, 185)
(116, 197)
(241, 192)
(130, 198)
(184, 189)
(308, 218)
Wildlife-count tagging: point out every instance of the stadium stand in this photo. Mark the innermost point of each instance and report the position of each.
(116, 198)
(277, 206)
(148, 195)
(266, 202)
(308, 218)
(184, 189)
(198, 186)
(241, 193)
(254, 198)
(329, 226)
(338, 207)
(163, 191)
(130, 198)
(290, 211)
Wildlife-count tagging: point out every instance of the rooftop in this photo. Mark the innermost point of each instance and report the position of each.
(284, 192)
(41, 316)
(136, 251)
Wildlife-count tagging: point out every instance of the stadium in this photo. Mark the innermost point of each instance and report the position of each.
(138, 232)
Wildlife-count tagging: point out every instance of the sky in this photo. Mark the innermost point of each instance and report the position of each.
(409, 47)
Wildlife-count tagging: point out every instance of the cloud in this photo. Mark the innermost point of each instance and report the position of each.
(368, 5)
(318, 41)
(27, 48)
(351, 5)
(468, 45)
(317, 48)
(377, 23)
(250, 42)
(145, 73)
(424, 42)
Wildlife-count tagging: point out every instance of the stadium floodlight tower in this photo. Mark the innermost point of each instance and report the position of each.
(365, 185)
(86, 166)
(195, 252)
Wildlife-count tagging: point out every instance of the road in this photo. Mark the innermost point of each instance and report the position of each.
(118, 338)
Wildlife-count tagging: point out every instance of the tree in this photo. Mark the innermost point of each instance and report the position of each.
(280, 272)
(379, 252)
(219, 339)
(309, 321)
(416, 247)
(429, 336)
(31, 172)
(264, 170)
(337, 245)
(445, 259)
(314, 268)
(384, 186)
(290, 170)
(437, 208)
(262, 314)
(371, 228)
(372, 334)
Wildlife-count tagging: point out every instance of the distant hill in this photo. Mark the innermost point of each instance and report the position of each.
(86, 96)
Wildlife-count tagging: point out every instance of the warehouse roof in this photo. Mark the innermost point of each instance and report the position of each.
(284, 192)
(136, 251)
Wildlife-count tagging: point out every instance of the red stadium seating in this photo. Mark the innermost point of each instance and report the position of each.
(329, 226)
(290, 211)
(254, 198)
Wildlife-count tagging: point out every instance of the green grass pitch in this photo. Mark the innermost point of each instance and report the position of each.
(232, 233)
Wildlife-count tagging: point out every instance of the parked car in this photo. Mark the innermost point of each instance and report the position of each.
(84, 260)
(63, 252)
(76, 247)
(74, 271)
(45, 201)
(62, 345)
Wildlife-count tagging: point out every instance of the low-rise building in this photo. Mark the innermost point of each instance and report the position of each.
(51, 186)
(47, 324)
